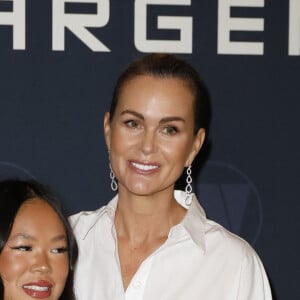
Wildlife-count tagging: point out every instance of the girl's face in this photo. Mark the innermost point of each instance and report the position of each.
(150, 137)
(34, 261)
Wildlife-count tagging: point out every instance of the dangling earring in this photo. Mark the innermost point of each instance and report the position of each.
(188, 188)
(113, 184)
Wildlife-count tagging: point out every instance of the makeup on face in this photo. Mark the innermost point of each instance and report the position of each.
(34, 261)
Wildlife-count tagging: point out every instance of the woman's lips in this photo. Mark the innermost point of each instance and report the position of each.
(40, 289)
(144, 167)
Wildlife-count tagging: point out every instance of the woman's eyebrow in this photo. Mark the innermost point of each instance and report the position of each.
(163, 120)
(170, 119)
(133, 112)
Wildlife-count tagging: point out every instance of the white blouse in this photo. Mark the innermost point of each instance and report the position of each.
(200, 260)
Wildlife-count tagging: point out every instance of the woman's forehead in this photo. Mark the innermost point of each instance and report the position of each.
(148, 91)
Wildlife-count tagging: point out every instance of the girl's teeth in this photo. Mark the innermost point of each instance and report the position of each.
(36, 288)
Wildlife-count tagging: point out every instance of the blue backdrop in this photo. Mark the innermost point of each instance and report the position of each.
(59, 61)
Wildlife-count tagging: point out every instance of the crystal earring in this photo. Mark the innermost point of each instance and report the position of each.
(188, 188)
(113, 184)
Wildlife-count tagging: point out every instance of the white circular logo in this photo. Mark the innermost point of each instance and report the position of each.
(9, 170)
(230, 198)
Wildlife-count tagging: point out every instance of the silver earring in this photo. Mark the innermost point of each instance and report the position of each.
(188, 188)
(113, 184)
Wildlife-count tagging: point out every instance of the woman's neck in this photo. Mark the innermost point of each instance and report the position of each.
(140, 218)
(143, 224)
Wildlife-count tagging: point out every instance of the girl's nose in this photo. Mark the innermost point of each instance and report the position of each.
(41, 263)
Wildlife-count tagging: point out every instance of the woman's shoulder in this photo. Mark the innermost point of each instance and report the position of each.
(85, 215)
(83, 221)
(221, 239)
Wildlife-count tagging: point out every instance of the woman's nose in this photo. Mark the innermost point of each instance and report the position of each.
(149, 142)
(41, 263)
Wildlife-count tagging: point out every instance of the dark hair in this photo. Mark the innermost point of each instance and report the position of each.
(13, 193)
(168, 66)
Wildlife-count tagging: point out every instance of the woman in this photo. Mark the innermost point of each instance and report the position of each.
(150, 241)
(37, 248)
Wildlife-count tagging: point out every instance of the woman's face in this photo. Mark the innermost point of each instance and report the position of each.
(150, 137)
(34, 261)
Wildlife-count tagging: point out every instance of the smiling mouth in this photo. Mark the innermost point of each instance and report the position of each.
(37, 288)
(144, 167)
(40, 290)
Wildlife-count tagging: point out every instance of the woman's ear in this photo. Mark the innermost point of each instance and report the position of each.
(107, 129)
(197, 145)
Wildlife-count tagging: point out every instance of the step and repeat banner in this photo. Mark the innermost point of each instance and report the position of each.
(59, 61)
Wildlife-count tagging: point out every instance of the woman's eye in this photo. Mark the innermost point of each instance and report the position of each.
(59, 250)
(22, 248)
(170, 130)
(132, 123)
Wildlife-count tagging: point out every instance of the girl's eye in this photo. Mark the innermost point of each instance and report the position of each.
(22, 248)
(132, 123)
(59, 250)
(170, 130)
